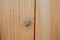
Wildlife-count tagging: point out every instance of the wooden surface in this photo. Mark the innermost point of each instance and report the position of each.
(57, 19)
(52, 20)
(13, 15)
(0, 18)
(47, 20)
(42, 20)
(37, 23)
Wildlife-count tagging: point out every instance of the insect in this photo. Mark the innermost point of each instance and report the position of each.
(28, 21)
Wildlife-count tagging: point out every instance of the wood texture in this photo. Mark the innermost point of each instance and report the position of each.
(52, 20)
(47, 20)
(0, 18)
(57, 19)
(42, 20)
(14, 13)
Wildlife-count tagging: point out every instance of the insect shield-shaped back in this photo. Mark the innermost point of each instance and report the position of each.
(28, 22)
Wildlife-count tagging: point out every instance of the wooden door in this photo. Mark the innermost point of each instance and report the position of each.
(47, 20)
(13, 14)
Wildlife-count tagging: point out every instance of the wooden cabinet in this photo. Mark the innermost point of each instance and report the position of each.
(44, 16)
(14, 14)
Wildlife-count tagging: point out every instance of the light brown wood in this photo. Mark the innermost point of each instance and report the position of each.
(42, 20)
(37, 23)
(52, 20)
(14, 14)
(47, 20)
(57, 19)
(0, 20)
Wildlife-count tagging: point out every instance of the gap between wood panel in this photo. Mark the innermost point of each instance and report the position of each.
(34, 18)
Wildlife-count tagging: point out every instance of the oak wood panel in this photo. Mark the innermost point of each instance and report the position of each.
(0, 18)
(57, 19)
(42, 20)
(52, 20)
(37, 23)
(14, 14)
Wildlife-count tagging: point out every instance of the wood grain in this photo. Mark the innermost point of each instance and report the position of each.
(42, 20)
(47, 20)
(14, 14)
(57, 19)
(1, 19)
(52, 20)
